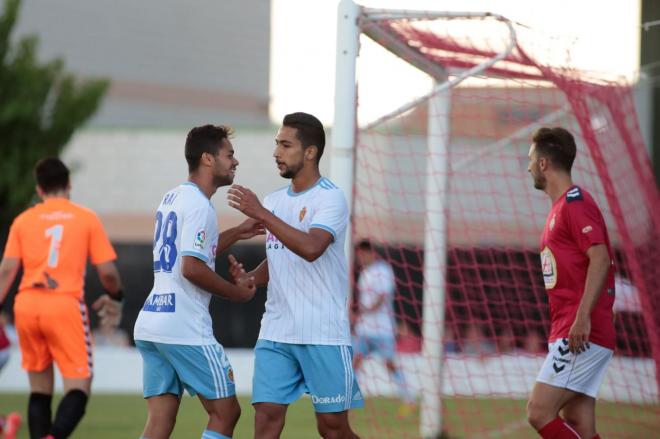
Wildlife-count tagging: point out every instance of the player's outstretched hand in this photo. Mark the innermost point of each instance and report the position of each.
(250, 228)
(245, 200)
(108, 309)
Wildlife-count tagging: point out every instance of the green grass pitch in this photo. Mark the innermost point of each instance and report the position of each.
(123, 416)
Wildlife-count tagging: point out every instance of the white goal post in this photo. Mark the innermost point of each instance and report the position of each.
(352, 21)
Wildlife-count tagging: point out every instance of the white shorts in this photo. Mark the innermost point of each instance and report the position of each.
(582, 373)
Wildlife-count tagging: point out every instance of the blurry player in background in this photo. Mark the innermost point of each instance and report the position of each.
(578, 271)
(305, 343)
(374, 319)
(52, 241)
(174, 331)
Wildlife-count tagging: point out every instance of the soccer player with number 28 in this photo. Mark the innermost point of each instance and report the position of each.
(174, 332)
(578, 272)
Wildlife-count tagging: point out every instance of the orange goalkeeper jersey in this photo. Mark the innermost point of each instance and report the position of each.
(53, 240)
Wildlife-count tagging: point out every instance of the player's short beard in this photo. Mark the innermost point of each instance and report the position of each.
(291, 171)
(223, 180)
(540, 182)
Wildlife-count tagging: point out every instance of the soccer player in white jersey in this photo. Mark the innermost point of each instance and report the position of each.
(304, 344)
(173, 331)
(374, 318)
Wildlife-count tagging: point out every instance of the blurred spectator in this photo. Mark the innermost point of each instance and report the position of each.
(475, 342)
(374, 323)
(533, 343)
(449, 341)
(506, 341)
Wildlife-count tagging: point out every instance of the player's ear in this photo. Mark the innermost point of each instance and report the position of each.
(206, 158)
(311, 152)
(40, 192)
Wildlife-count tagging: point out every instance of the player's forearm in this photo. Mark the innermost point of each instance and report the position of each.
(599, 266)
(109, 277)
(260, 274)
(227, 239)
(8, 271)
(203, 277)
(299, 242)
(5, 283)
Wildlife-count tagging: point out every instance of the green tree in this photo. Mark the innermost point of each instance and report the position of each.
(41, 106)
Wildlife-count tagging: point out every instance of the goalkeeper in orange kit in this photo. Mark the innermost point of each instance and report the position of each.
(52, 242)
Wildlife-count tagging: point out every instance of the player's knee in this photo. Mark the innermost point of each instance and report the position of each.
(537, 415)
(572, 419)
(228, 416)
(161, 420)
(580, 423)
(332, 427)
(265, 415)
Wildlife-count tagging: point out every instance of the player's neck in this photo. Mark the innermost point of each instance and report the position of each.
(305, 179)
(556, 187)
(55, 195)
(204, 184)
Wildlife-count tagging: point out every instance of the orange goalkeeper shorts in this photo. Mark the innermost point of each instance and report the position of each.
(53, 327)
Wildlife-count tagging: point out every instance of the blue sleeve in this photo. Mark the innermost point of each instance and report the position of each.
(331, 213)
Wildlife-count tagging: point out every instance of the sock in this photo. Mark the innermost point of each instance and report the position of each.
(400, 382)
(210, 434)
(558, 429)
(69, 413)
(39, 414)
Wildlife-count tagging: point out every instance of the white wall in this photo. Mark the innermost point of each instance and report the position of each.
(119, 370)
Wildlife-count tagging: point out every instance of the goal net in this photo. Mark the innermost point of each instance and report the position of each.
(440, 187)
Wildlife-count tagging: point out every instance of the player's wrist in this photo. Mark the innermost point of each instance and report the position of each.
(262, 214)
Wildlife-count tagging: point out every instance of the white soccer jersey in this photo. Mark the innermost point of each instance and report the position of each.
(375, 281)
(176, 310)
(307, 301)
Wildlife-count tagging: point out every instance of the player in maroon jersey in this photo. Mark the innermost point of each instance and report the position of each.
(578, 272)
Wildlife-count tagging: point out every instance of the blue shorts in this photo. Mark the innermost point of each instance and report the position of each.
(383, 345)
(284, 371)
(169, 368)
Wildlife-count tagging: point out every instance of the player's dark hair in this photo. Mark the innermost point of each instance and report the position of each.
(205, 138)
(51, 174)
(557, 145)
(309, 130)
(364, 244)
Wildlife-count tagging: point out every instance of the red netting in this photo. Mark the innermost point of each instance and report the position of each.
(496, 309)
